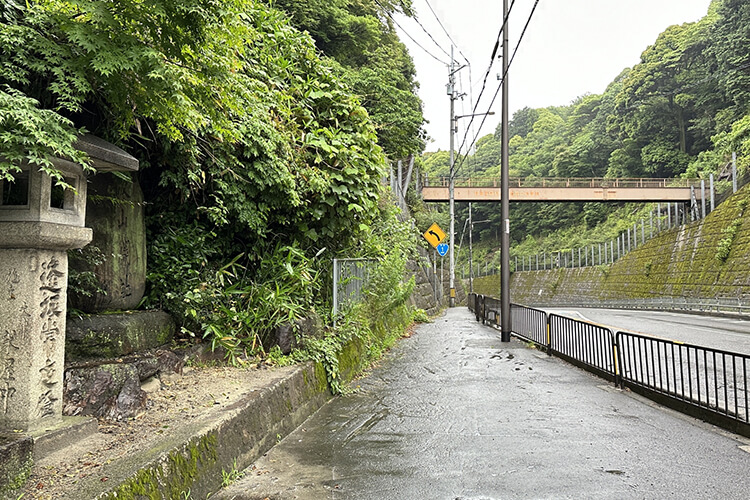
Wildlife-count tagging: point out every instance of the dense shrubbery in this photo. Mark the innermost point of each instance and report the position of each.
(258, 161)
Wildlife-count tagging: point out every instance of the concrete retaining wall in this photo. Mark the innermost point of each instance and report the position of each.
(193, 459)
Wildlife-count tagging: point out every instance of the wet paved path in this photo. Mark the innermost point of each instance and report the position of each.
(452, 413)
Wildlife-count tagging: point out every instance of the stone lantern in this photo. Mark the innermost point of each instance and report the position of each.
(39, 222)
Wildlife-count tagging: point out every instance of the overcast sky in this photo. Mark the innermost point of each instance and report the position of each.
(571, 48)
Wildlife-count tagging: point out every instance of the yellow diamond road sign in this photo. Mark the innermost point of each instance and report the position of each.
(434, 235)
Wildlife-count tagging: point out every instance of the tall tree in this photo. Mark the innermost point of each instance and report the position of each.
(360, 36)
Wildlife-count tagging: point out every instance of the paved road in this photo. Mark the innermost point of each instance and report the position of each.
(729, 334)
(452, 413)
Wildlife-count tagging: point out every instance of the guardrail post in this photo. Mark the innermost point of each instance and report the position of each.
(628, 239)
(658, 217)
(549, 334)
(617, 360)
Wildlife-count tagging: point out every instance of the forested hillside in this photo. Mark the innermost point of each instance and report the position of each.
(263, 133)
(681, 111)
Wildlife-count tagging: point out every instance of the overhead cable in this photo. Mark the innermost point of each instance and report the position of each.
(446, 31)
(489, 67)
(387, 13)
(416, 19)
(502, 82)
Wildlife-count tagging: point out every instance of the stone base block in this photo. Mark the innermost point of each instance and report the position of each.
(16, 460)
(114, 335)
(64, 432)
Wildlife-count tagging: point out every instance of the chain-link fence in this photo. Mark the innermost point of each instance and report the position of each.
(350, 280)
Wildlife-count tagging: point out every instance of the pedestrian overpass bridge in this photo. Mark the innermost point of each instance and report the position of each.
(566, 189)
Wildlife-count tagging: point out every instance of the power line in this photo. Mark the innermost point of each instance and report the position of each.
(489, 68)
(416, 19)
(502, 82)
(446, 31)
(387, 13)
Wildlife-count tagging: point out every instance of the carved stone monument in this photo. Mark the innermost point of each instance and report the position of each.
(39, 222)
(115, 213)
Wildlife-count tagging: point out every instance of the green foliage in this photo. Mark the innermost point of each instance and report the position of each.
(361, 38)
(231, 476)
(681, 111)
(230, 107)
(724, 247)
(85, 283)
(33, 135)
(251, 145)
(238, 313)
(420, 316)
(376, 322)
(647, 268)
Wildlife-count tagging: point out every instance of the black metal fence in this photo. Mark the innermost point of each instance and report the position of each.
(530, 324)
(707, 383)
(693, 378)
(584, 344)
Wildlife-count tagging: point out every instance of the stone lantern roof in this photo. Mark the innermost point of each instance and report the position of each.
(105, 156)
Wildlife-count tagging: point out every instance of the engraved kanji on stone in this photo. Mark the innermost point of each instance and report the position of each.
(8, 350)
(126, 290)
(50, 330)
(6, 392)
(51, 306)
(46, 404)
(12, 280)
(49, 373)
(52, 279)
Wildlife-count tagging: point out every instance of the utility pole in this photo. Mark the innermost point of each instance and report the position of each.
(471, 255)
(451, 185)
(505, 327)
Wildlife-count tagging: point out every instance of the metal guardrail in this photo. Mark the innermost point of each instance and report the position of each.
(350, 278)
(717, 305)
(702, 379)
(707, 383)
(584, 344)
(530, 324)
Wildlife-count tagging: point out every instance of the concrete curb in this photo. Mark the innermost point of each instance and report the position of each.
(191, 461)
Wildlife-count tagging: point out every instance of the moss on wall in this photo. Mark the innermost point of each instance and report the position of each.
(16, 461)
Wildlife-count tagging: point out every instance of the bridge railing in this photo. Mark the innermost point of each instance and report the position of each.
(563, 182)
(707, 383)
